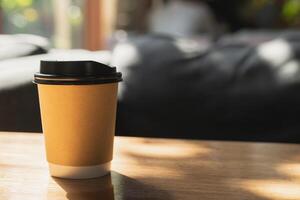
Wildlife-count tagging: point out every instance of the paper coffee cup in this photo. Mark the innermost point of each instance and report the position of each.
(78, 109)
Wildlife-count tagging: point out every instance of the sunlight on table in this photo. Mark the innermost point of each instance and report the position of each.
(291, 169)
(163, 149)
(273, 189)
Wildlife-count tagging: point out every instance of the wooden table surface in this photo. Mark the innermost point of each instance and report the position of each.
(157, 169)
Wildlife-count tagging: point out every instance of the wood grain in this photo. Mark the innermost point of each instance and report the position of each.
(157, 169)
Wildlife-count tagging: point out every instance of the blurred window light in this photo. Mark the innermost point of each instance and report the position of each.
(38, 17)
(31, 14)
(75, 15)
(24, 3)
(19, 21)
(8, 4)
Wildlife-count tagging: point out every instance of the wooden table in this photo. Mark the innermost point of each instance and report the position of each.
(157, 169)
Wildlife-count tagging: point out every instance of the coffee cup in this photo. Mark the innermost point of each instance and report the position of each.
(78, 102)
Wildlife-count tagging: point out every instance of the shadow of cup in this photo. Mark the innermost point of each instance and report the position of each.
(88, 189)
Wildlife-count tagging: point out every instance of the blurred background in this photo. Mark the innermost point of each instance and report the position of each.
(90, 24)
(196, 69)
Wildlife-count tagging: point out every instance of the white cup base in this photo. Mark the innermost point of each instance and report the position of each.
(79, 172)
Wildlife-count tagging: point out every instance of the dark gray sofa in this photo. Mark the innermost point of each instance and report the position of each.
(241, 87)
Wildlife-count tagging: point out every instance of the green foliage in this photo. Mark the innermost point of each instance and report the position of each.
(15, 4)
(291, 10)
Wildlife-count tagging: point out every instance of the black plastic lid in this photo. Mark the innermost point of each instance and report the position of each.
(76, 73)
